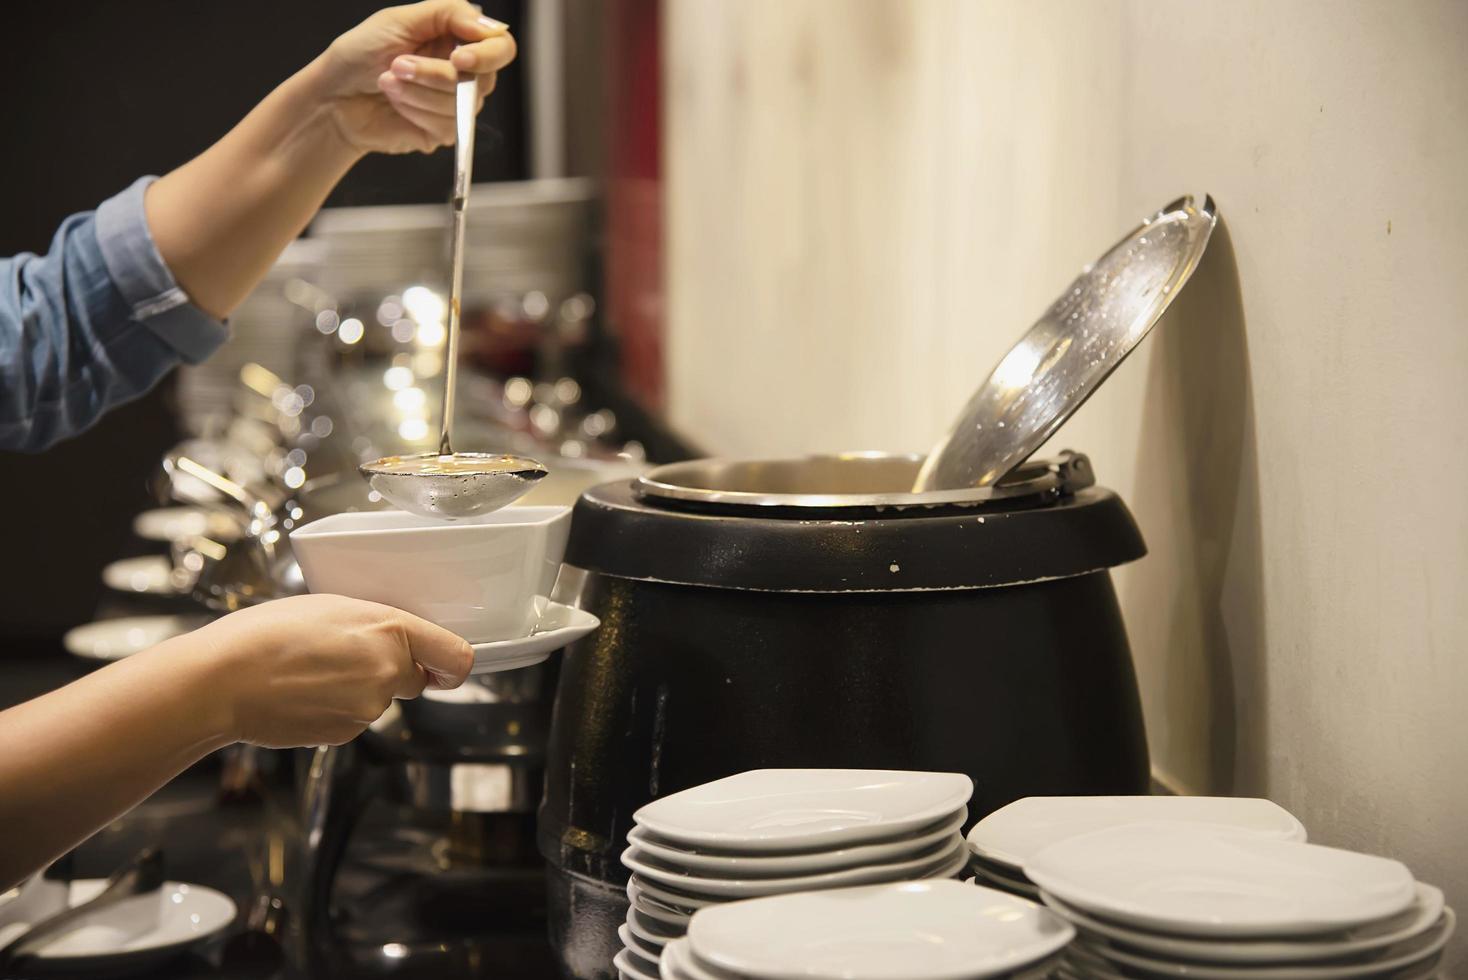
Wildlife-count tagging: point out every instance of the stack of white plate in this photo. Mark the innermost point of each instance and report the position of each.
(1164, 900)
(932, 930)
(1002, 842)
(777, 831)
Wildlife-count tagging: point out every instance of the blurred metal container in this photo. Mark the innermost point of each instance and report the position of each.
(522, 237)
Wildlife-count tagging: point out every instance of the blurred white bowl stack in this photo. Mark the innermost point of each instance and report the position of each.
(772, 832)
(931, 930)
(1179, 900)
(1001, 843)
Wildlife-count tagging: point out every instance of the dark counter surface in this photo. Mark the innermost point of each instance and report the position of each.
(401, 909)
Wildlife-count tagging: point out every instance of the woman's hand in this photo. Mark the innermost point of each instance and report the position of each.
(389, 82)
(221, 219)
(317, 669)
(311, 670)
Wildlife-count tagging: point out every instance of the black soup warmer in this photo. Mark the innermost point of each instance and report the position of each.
(812, 612)
(818, 612)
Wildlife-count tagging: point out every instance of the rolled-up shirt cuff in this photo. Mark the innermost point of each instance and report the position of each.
(140, 275)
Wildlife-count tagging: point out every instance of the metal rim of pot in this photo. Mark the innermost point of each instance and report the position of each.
(695, 482)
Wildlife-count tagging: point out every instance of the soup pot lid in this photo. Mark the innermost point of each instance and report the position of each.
(848, 543)
(1065, 355)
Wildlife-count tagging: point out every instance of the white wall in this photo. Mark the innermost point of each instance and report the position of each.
(869, 201)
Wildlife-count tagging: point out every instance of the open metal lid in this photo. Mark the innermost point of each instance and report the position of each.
(1070, 350)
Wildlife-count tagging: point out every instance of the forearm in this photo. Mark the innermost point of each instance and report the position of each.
(223, 218)
(76, 759)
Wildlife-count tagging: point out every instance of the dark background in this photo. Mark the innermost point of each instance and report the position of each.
(100, 93)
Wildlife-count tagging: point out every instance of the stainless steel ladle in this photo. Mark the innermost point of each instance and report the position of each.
(447, 485)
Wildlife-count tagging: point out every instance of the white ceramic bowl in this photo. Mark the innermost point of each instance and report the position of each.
(482, 578)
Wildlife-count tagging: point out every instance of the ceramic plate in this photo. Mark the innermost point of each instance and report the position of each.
(673, 900)
(993, 879)
(725, 889)
(1082, 963)
(148, 574)
(1422, 915)
(635, 945)
(182, 523)
(945, 865)
(654, 934)
(804, 809)
(936, 930)
(1189, 881)
(670, 917)
(1013, 834)
(633, 966)
(558, 626)
(679, 964)
(1408, 956)
(113, 639)
(1043, 970)
(109, 941)
(777, 865)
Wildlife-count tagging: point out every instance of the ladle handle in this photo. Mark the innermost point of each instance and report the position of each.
(466, 106)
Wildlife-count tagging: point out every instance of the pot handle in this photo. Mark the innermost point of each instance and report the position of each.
(1074, 472)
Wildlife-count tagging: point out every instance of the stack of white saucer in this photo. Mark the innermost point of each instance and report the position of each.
(1002, 842)
(1171, 900)
(930, 930)
(778, 831)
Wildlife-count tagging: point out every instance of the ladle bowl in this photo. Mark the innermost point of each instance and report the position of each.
(455, 486)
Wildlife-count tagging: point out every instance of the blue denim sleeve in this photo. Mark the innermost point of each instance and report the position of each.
(93, 323)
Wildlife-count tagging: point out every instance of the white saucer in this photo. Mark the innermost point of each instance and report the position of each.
(778, 865)
(559, 626)
(1013, 834)
(630, 965)
(671, 898)
(932, 930)
(636, 946)
(652, 933)
(679, 964)
(1181, 880)
(671, 918)
(1420, 917)
(768, 810)
(112, 639)
(108, 941)
(667, 904)
(183, 523)
(1404, 958)
(148, 574)
(990, 878)
(920, 865)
